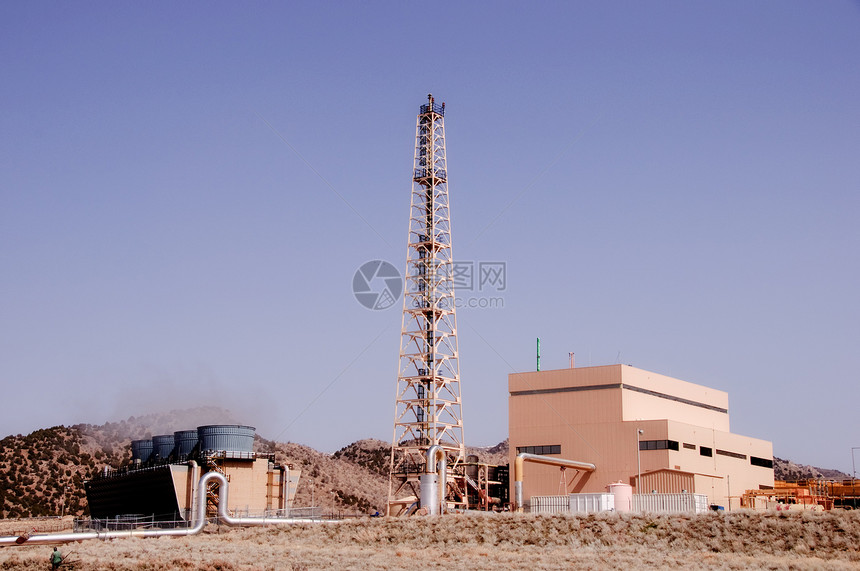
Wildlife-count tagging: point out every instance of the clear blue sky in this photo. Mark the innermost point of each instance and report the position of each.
(672, 185)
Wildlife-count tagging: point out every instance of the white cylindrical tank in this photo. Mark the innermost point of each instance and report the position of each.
(623, 496)
(430, 493)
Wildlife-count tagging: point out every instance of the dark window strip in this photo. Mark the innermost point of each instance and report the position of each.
(732, 454)
(540, 450)
(565, 390)
(658, 445)
(763, 462)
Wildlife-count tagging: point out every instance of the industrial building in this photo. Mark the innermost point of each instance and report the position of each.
(161, 482)
(656, 433)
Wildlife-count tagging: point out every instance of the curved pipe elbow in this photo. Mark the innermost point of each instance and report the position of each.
(523, 457)
(436, 454)
(437, 462)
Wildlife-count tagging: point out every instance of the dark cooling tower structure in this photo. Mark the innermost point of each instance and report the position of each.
(226, 438)
(141, 450)
(184, 442)
(162, 446)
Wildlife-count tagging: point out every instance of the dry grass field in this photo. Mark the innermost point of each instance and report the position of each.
(739, 540)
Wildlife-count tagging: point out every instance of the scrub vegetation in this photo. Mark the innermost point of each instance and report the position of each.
(737, 540)
(39, 470)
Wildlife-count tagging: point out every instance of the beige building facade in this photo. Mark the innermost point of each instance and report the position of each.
(256, 486)
(657, 433)
(168, 491)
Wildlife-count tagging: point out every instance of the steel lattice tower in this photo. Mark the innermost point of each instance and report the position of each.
(427, 406)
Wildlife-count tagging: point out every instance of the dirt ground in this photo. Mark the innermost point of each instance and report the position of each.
(738, 540)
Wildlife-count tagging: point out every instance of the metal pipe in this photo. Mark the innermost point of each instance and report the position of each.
(199, 521)
(285, 489)
(524, 457)
(192, 489)
(428, 497)
(638, 462)
(853, 478)
(437, 454)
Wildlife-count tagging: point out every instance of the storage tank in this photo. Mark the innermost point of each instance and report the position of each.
(623, 496)
(141, 450)
(429, 490)
(162, 446)
(226, 437)
(184, 442)
(472, 471)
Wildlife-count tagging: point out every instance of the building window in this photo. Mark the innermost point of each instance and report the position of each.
(705, 451)
(763, 462)
(689, 446)
(658, 445)
(731, 454)
(542, 450)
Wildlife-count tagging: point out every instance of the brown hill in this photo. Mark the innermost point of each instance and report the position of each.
(36, 469)
(39, 470)
(330, 482)
(497, 454)
(375, 455)
(370, 453)
(789, 471)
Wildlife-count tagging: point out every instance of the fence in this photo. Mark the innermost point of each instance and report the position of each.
(127, 523)
(670, 503)
(550, 504)
(591, 503)
(45, 524)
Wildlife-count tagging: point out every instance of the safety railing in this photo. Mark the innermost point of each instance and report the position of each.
(435, 107)
(129, 522)
(428, 173)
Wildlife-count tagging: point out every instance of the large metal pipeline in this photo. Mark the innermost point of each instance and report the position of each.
(524, 457)
(285, 488)
(433, 496)
(199, 521)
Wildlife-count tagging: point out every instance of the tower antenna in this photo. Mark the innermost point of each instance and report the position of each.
(427, 403)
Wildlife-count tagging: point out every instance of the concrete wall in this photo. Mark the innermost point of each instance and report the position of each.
(735, 474)
(249, 485)
(253, 488)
